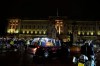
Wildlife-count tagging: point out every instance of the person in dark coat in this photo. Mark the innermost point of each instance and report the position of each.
(87, 49)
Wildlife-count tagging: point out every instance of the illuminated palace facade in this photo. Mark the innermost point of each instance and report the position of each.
(53, 27)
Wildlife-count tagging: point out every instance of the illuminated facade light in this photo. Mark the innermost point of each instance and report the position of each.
(27, 32)
(31, 32)
(16, 31)
(59, 30)
(91, 33)
(44, 32)
(83, 33)
(57, 22)
(39, 32)
(12, 30)
(87, 33)
(59, 26)
(68, 39)
(79, 32)
(64, 40)
(8, 31)
(61, 22)
(13, 21)
(98, 32)
(35, 32)
(23, 32)
(69, 31)
(16, 20)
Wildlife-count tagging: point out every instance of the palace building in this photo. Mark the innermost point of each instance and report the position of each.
(53, 27)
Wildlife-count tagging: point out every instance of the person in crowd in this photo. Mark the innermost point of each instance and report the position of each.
(88, 50)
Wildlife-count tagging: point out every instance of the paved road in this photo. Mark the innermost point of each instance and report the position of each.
(24, 59)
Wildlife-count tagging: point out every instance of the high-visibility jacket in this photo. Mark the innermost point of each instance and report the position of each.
(12, 42)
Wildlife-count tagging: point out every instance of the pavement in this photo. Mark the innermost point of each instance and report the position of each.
(25, 59)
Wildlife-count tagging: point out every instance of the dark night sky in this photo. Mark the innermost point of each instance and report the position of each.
(34, 9)
(74, 9)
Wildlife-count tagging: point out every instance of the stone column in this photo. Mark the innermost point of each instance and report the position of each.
(74, 31)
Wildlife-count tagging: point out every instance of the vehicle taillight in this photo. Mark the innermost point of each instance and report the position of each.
(34, 50)
(38, 47)
(53, 48)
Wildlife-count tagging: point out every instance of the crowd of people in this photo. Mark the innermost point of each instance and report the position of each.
(87, 54)
(13, 43)
(18, 42)
(87, 48)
